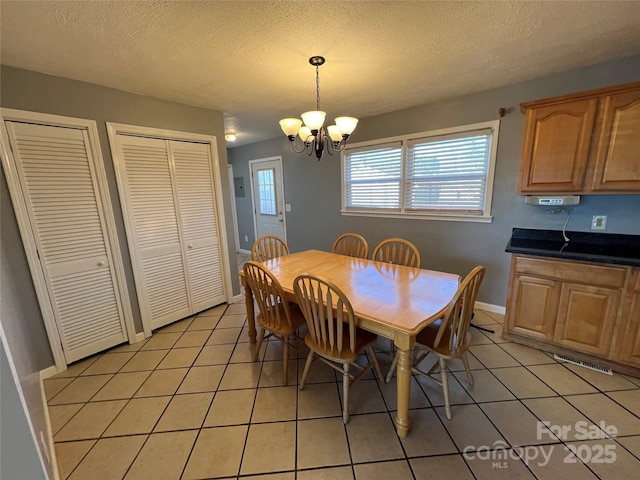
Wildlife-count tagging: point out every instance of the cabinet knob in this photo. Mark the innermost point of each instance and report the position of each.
(189, 246)
(101, 263)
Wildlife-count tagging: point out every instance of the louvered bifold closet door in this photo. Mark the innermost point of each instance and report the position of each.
(194, 190)
(155, 241)
(58, 179)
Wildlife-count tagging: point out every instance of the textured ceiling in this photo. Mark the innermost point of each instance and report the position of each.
(249, 58)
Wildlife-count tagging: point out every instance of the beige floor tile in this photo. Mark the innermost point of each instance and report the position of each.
(634, 380)
(81, 390)
(482, 317)
(216, 311)
(69, 455)
(398, 470)
(372, 438)
(469, 427)
(244, 353)
(122, 385)
(90, 421)
(140, 415)
(59, 415)
(319, 372)
(202, 379)
(108, 363)
(224, 336)
(485, 388)
(496, 335)
(214, 355)
(53, 386)
(417, 398)
(458, 395)
(274, 349)
(622, 465)
(185, 412)
(179, 326)
(162, 382)
(561, 379)
(457, 365)
(109, 458)
(319, 400)
(244, 335)
(128, 347)
(493, 356)
(557, 412)
(144, 360)
(217, 453)
(523, 383)
(630, 443)
(236, 309)
(478, 338)
(272, 373)
(231, 407)
(510, 469)
(274, 476)
(553, 464)
(517, 424)
(364, 397)
(599, 408)
(322, 443)
(526, 355)
(232, 321)
(240, 376)
(180, 357)
(204, 323)
(448, 466)
(161, 341)
(427, 435)
(630, 399)
(270, 447)
(196, 338)
(334, 473)
(77, 368)
(163, 456)
(275, 404)
(602, 381)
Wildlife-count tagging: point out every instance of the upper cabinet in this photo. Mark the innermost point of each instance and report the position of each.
(587, 143)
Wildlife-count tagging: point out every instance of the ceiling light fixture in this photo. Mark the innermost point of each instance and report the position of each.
(230, 137)
(313, 135)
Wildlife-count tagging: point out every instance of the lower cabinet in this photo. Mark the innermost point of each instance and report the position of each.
(590, 309)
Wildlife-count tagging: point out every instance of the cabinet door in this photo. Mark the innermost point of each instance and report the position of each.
(586, 316)
(628, 348)
(618, 155)
(532, 307)
(556, 147)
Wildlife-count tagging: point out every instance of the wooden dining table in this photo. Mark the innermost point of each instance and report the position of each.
(393, 301)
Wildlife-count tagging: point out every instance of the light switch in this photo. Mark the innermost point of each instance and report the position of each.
(287, 207)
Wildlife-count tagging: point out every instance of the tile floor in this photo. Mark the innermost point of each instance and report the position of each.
(188, 403)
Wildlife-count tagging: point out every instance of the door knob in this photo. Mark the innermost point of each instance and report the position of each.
(281, 220)
(101, 263)
(190, 246)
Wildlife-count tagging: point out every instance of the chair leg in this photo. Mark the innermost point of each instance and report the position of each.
(260, 339)
(445, 386)
(392, 368)
(345, 393)
(285, 360)
(465, 360)
(376, 364)
(306, 369)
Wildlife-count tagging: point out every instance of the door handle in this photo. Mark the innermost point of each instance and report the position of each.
(281, 220)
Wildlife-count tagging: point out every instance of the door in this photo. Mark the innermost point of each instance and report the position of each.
(234, 212)
(267, 192)
(58, 179)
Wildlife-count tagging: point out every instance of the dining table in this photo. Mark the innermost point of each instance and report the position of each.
(390, 300)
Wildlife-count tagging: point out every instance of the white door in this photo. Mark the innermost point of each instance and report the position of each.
(267, 191)
(58, 180)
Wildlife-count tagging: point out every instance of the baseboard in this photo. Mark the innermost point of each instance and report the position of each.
(488, 307)
(237, 298)
(46, 444)
(242, 250)
(48, 372)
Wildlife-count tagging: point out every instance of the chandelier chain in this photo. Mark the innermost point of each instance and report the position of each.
(317, 87)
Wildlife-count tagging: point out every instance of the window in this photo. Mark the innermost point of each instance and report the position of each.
(267, 191)
(447, 174)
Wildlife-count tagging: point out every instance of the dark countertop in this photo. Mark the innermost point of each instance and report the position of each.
(583, 246)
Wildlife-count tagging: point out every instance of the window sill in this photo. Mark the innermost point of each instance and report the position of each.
(446, 217)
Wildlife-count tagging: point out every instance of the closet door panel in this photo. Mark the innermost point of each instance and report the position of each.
(155, 238)
(58, 181)
(195, 194)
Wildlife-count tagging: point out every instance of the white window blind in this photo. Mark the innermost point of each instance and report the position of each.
(373, 177)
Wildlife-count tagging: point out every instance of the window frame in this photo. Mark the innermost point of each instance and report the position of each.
(444, 214)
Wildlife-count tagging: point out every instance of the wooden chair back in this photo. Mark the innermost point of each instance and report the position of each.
(267, 291)
(397, 251)
(458, 316)
(351, 244)
(327, 311)
(268, 247)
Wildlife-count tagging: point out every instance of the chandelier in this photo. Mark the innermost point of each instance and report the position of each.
(312, 135)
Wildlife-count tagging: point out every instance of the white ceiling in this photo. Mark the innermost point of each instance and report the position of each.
(249, 59)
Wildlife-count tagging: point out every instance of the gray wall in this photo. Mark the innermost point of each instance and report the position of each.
(313, 188)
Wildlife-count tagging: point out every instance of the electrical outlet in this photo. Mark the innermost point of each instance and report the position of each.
(599, 222)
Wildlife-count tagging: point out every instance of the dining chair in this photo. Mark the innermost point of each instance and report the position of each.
(351, 244)
(334, 336)
(276, 316)
(397, 251)
(449, 337)
(268, 247)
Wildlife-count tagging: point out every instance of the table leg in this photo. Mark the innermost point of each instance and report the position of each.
(404, 345)
(251, 319)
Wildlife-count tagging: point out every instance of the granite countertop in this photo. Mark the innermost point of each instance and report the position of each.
(583, 246)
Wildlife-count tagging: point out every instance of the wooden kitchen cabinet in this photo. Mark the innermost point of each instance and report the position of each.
(587, 143)
(628, 350)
